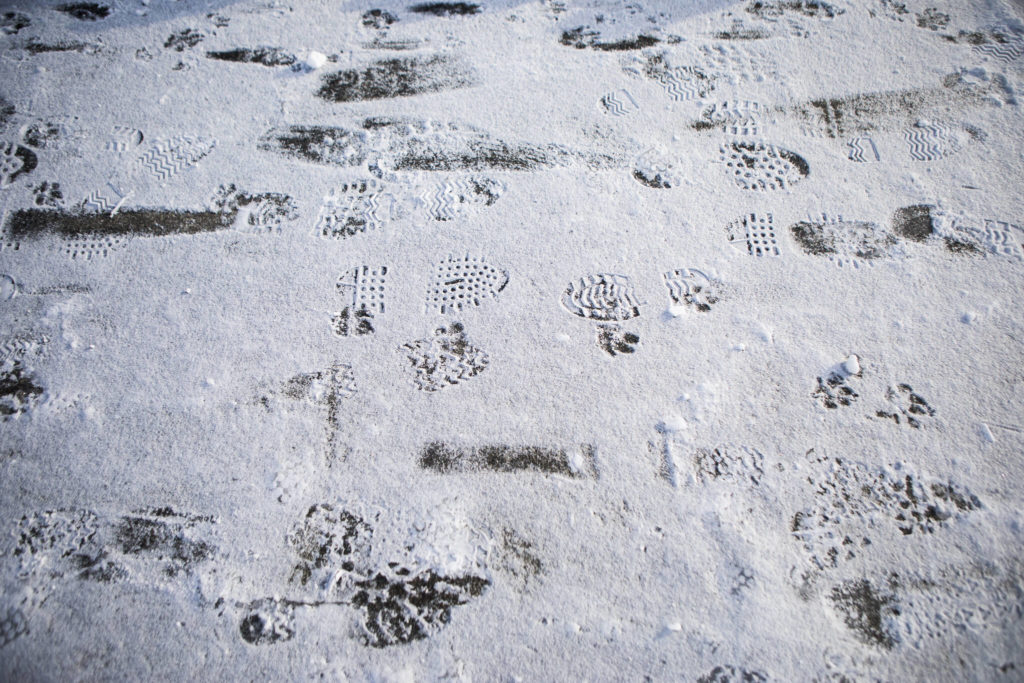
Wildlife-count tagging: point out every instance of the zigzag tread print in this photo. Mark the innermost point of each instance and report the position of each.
(442, 202)
(931, 143)
(1004, 52)
(446, 200)
(619, 103)
(169, 157)
(863, 150)
(98, 203)
(684, 83)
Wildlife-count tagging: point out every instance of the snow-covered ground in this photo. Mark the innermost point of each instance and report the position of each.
(511, 340)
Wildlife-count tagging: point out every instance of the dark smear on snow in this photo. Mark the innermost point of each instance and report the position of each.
(867, 611)
(320, 144)
(808, 8)
(583, 37)
(137, 222)
(18, 390)
(400, 77)
(12, 22)
(35, 47)
(267, 56)
(160, 540)
(183, 39)
(6, 111)
(448, 147)
(85, 11)
(866, 239)
(446, 458)
(743, 34)
(914, 222)
(401, 609)
(845, 116)
(656, 181)
(446, 9)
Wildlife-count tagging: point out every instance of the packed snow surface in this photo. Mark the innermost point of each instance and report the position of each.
(511, 340)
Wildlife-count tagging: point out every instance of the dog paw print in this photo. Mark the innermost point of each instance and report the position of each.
(16, 160)
(48, 195)
(909, 407)
(614, 340)
(834, 389)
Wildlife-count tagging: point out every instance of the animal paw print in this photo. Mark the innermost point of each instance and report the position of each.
(48, 195)
(16, 160)
(445, 360)
(614, 340)
(41, 134)
(743, 580)
(834, 389)
(184, 39)
(833, 392)
(729, 673)
(378, 19)
(910, 407)
(13, 625)
(19, 392)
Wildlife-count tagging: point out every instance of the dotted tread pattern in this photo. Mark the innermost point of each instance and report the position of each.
(459, 283)
(755, 234)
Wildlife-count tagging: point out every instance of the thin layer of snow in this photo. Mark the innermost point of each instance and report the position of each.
(511, 340)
